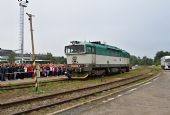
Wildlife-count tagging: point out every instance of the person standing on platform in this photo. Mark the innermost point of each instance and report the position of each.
(48, 70)
(53, 72)
(38, 70)
(1, 73)
(45, 71)
(29, 70)
(3, 70)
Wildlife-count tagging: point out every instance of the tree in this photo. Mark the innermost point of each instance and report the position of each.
(47, 56)
(140, 61)
(133, 60)
(11, 58)
(159, 55)
(146, 61)
(52, 59)
(60, 60)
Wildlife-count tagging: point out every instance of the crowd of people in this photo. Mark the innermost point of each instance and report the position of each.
(21, 71)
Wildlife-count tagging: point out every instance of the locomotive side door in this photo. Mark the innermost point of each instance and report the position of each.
(93, 55)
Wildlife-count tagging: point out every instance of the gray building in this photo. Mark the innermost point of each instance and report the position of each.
(4, 54)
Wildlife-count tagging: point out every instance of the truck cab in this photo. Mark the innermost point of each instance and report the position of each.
(165, 62)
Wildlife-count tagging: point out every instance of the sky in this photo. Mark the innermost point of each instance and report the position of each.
(141, 27)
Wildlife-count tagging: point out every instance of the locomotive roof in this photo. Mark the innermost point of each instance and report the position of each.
(98, 44)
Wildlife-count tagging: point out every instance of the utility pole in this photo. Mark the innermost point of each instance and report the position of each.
(22, 4)
(33, 51)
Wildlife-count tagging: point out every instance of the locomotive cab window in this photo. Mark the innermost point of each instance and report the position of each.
(74, 49)
(90, 50)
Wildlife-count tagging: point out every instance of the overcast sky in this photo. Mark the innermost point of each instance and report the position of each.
(141, 27)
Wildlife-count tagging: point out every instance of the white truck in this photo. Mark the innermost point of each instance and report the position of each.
(165, 62)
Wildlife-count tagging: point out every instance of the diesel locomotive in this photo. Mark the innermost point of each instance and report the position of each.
(94, 58)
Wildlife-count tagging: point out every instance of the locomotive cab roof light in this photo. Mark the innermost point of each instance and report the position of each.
(75, 42)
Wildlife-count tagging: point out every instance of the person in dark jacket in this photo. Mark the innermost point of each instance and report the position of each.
(3, 71)
(68, 74)
(0, 72)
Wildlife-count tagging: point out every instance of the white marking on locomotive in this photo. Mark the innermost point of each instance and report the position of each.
(96, 59)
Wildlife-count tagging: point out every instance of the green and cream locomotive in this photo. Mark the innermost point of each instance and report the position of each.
(95, 58)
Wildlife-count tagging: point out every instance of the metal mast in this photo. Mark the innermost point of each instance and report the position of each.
(22, 4)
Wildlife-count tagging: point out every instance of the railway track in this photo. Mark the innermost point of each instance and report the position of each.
(38, 103)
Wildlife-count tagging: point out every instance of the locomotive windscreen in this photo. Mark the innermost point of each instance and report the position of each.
(167, 60)
(74, 49)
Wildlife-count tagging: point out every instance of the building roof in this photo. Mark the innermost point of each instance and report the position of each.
(4, 52)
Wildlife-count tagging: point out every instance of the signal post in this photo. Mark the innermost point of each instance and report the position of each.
(33, 51)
